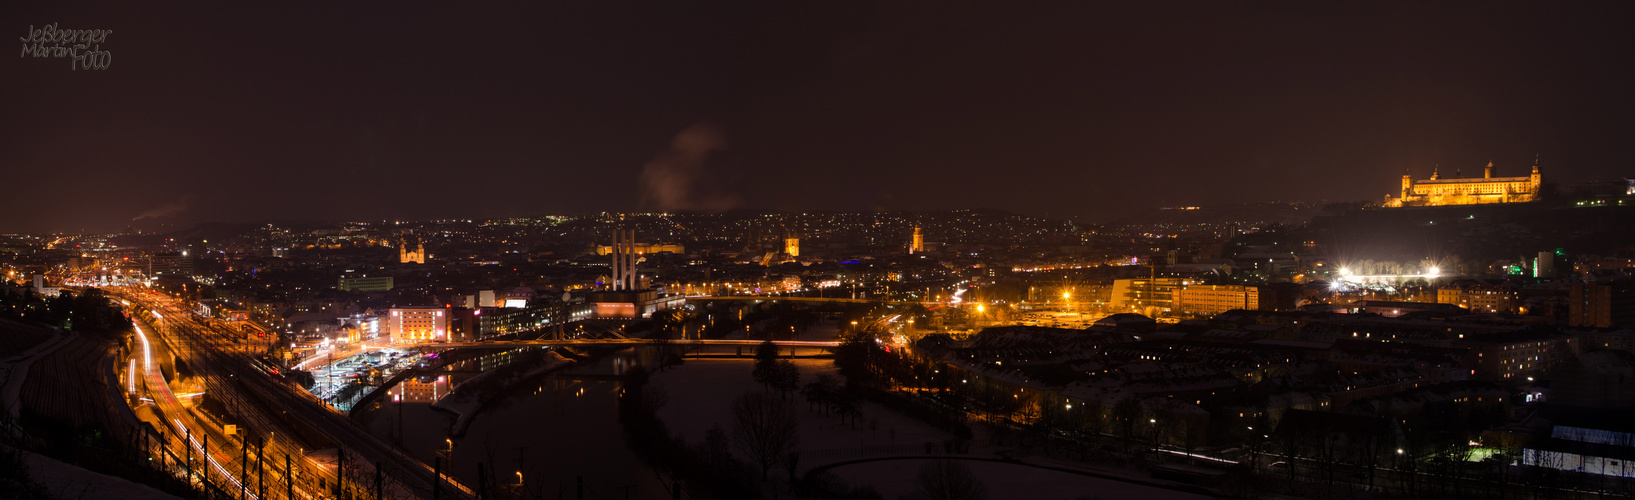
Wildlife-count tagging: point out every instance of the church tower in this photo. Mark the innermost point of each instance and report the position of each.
(1407, 184)
(404, 256)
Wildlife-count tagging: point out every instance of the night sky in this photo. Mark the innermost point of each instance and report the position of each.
(420, 109)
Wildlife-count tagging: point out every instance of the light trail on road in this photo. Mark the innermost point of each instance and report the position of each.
(168, 402)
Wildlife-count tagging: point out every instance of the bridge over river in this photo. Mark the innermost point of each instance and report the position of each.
(621, 342)
(697, 348)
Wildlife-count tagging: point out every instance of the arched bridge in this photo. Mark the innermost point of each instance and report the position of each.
(808, 299)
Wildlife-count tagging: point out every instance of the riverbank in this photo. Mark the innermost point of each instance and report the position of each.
(469, 399)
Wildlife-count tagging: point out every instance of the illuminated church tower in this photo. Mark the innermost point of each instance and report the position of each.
(917, 245)
(404, 256)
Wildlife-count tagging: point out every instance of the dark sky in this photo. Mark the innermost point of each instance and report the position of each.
(419, 109)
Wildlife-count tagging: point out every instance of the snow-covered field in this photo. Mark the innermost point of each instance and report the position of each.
(62, 480)
(701, 392)
(898, 478)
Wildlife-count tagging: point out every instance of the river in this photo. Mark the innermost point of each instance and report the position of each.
(538, 439)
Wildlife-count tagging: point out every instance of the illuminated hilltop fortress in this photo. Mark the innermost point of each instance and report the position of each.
(1487, 189)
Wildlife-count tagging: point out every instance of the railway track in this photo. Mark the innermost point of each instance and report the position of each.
(367, 464)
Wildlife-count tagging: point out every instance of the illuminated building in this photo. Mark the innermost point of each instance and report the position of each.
(1215, 299)
(171, 264)
(1145, 292)
(476, 324)
(366, 283)
(1395, 308)
(421, 390)
(42, 290)
(791, 245)
(1437, 191)
(1513, 355)
(631, 304)
(917, 245)
(518, 297)
(624, 259)
(1481, 298)
(645, 248)
(404, 256)
(418, 324)
(1544, 266)
(364, 327)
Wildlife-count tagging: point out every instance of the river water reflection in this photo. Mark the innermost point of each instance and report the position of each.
(554, 430)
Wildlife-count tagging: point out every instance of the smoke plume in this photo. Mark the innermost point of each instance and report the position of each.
(669, 181)
(166, 210)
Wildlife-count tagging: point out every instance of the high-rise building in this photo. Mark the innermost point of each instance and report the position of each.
(624, 259)
(170, 264)
(1544, 266)
(1601, 305)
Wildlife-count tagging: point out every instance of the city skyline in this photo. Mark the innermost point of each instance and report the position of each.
(865, 250)
(416, 111)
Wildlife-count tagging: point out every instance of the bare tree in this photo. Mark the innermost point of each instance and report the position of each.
(785, 377)
(765, 428)
(950, 480)
(654, 398)
(716, 449)
(766, 364)
(1125, 412)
